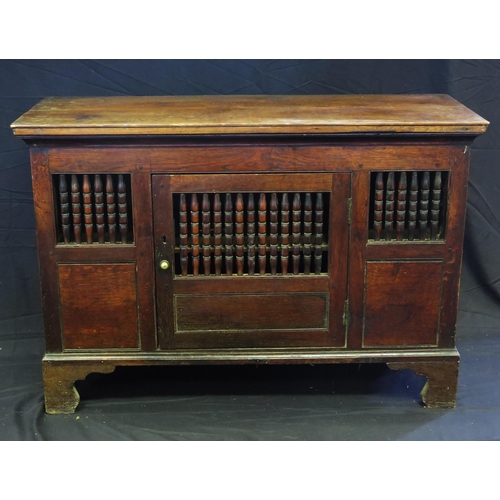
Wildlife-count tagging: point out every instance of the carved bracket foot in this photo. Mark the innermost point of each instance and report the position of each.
(440, 390)
(59, 379)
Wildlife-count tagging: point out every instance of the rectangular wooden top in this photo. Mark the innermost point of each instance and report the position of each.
(304, 114)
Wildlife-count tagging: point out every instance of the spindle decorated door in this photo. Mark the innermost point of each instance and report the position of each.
(251, 260)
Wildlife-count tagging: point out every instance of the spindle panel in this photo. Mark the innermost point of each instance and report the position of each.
(100, 211)
(408, 206)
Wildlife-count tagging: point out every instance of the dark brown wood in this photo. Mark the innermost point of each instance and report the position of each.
(76, 209)
(296, 232)
(440, 390)
(228, 234)
(259, 312)
(59, 379)
(87, 209)
(424, 206)
(285, 233)
(412, 206)
(99, 208)
(378, 205)
(318, 233)
(380, 288)
(205, 220)
(103, 314)
(389, 206)
(307, 232)
(251, 234)
(435, 206)
(122, 208)
(401, 207)
(195, 234)
(183, 236)
(262, 215)
(217, 234)
(402, 303)
(111, 208)
(64, 204)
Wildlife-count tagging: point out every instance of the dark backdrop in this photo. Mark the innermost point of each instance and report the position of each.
(351, 402)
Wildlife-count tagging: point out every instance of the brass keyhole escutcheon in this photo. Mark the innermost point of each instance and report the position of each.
(164, 264)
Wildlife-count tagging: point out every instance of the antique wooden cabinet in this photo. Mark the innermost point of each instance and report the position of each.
(249, 229)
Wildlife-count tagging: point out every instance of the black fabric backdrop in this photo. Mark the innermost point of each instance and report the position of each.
(358, 402)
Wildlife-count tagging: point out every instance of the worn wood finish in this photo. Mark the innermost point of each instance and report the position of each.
(192, 230)
(310, 114)
(440, 390)
(98, 305)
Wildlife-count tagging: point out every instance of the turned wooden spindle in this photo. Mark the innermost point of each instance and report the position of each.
(285, 233)
(228, 233)
(240, 235)
(217, 234)
(99, 208)
(251, 234)
(64, 202)
(87, 209)
(76, 209)
(435, 205)
(318, 230)
(183, 236)
(412, 206)
(307, 232)
(378, 209)
(195, 234)
(111, 208)
(401, 207)
(205, 228)
(122, 208)
(296, 232)
(424, 206)
(262, 233)
(389, 206)
(273, 233)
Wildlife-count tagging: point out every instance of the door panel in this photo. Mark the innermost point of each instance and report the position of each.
(255, 259)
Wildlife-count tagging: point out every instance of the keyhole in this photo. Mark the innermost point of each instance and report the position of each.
(164, 239)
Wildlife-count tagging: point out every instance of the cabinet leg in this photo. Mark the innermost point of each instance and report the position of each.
(59, 379)
(440, 390)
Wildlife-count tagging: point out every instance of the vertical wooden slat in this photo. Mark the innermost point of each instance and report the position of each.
(389, 206)
(307, 231)
(285, 233)
(296, 232)
(435, 204)
(205, 220)
(87, 208)
(262, 233)
(195, 234)
(318, 230)
(240, 236)
(99, 208)
(251, 234)
(217, 234)
(111, 208)
(76, 209)
(424, 205)
(122, 208)
(412, 206)
(378, 205)
(401, 207)
(64, 202)
(183, 234)
(273, 233)
(228, 233)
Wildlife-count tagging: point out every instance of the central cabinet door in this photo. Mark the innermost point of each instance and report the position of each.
(251, 260)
